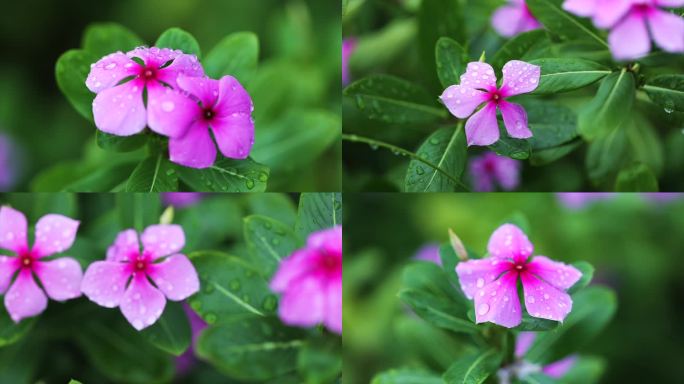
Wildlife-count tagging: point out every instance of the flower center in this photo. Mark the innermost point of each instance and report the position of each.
(26, 259)
(140, 263)
(641, 9)
(148, 73)
(330, 263)
(208, 114)
(495, 96)
(519, 267)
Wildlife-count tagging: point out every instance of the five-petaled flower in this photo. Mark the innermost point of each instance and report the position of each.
(60, 278)
(310, 280)
(490, 169)
(492, 282)
(514, 18)
(478, 86)
(629, 22)
(123, 280)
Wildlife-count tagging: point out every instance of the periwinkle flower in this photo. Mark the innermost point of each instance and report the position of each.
(348, 47)
(60, 278)
(491, 169)
(123, 279)
(429, 252)
(478, 86)
(310, 281)
(181, 199)
(514, 18)
(492, 282)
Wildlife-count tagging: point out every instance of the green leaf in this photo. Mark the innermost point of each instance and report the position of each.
(138, 210)
(667, 91)
(610, 107)
(119, 143)
(451, 60)
(71, 71)
(227, 175)
(535, 324)
(636, 177)
(275, 205)
(101, 39)
(518, 149)
(586, 370)
(606, 155)
(61, 203)
(587, 274)
(393, 100)
(517, 47)
(72, 381)
(20, 363)
(551, 124)
(318, 211)
(406, 376)
(446, 148)
(436, 19)
(171, 333)
(231, 289)
(210, 222)
(269, 241)
(562, 23)
(11, 332)
(252, 350)
(474, 368)
(563, 75)
(236, 55)
(154, 174)
(176, 38)
(549, 155)
(538, 378)
(320, 361)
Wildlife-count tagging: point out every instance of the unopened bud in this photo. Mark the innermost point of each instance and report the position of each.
(457, 246)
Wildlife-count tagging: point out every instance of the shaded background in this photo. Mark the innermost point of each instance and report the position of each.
(634, 241)
(299, 68)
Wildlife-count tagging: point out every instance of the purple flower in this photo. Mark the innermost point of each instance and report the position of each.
(348, 47)
(554, 370)
(119, 109)
(60, 278)
(492, 282)
(514, 18)
(124, 278)
(181, 199)
(478, 86)
(186, 361)
(490, 169)
(630, 22)
(429, 252)
(578, 200)
(310, 281)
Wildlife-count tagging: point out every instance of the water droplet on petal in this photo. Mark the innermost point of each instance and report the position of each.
(480, 282)
(111, 66)
(482, 309)
(168, 106)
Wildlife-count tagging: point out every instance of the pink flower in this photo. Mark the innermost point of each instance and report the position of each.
(429, 252)
(554, 370)
(629, 22)
(60, 278)
(578, 200)
(514, 18)
(492, 282)
(123, 280)
(478, 86)
(491, 168)
(118, 109)
(222, 106)
(348, 47)
(310, 280)
(8, 162)
(181, 199)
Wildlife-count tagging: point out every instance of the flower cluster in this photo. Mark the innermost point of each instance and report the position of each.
(181, 103)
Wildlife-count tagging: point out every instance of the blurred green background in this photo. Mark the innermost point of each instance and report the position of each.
(299, 70)
(634, 241)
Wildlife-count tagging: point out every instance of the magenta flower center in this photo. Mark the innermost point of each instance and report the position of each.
(208, 114)
(148, 73)
(519, 267)
(139, 262)
(642, 9)
(330, 264)
(27, 259)
(495, 96)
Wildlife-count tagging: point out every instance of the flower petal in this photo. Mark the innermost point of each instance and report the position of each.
(515, 120)
(609, 12)
(629, 38)
(560, 275)
(125, 246)
(8, 266)
(110, 70)
(183, 64)
(333, 310)
(120, 110)
(176, 277)
(170, 112)
(154, 56)
(163, 240)
(543, 300)
(303, 303)
(524, 342)
(12, 229)
(507, 20)
(232, 97)
(519, 77)
(234, 134)
(585, 8)
(54, 234)
(559, 368)
(292, 267)
(104, 282)
(479, 75)
(498, 302)
(202, 88)
(507, 172)
(474, 274)
(24, 298)
(482, 127)
(667, 30)
(510, 242)
(196, 149)
(328, 240)
(61, 278)
(671, 3)
(142, 304)
(462, 101)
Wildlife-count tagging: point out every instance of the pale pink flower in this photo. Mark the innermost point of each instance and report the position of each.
(348, 47)
(478, 86)
(310, 281)
(514, 18)
(123, 279)
(491, 169)
(429, 252)
(492, 282)
(60, 278)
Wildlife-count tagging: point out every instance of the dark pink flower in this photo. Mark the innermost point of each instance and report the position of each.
(492, 282)
(119, 82)
(60, 278)
(478, 86)
(630, 22)
(514, 18)
(490, 169)
(310, 281)
(125, 278)
(348, 47)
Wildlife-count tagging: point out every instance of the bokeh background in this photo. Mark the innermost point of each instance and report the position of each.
(634, 241)
(299, 68)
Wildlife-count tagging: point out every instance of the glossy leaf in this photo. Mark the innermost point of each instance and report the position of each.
(563, 75)
(406, 376)
(637, 177)
(586, 370)
(610, 107)
(71, 71)
(236, 55)
(518, 149)
(535, 324)
(278, 206)
(171, 333)
(320, 360)
(176, 38)
(269, 242)
(551, 124)
(101, 39)
(667, 91)
(318, 211)
(549, 155)
(154, 174)
(517, 47)
(564, 24)
(587, 274)
(210, 222)
(227, 175)
(474, 368)
(119, 143)
(446, 148)
(451, 60)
